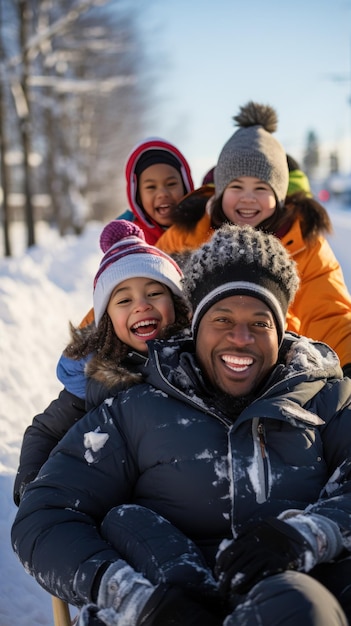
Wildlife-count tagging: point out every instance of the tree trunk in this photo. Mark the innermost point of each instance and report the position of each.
(25, 125)
(3, 170)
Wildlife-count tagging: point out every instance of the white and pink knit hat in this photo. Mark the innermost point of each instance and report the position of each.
(127, 255)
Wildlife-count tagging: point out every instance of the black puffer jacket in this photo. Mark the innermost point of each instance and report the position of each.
(48, 428)
(163, 445)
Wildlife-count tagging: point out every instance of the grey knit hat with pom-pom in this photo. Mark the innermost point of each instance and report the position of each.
(253, 151)
(240, 260)
(127, 255)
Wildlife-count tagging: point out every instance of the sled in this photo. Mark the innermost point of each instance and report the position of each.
(61, 612)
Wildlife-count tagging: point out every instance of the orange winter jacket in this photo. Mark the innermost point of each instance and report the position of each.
(176, 239)
(87, 319)
(322, 306)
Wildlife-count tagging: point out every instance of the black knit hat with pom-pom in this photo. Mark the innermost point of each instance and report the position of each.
(253, 151)
(127, 255)
(240, 260)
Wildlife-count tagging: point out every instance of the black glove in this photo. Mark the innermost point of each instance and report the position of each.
(271, 547)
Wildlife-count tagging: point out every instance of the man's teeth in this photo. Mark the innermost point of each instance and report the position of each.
(237, 363)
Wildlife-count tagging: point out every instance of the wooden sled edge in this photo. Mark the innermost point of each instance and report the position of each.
(60, 609)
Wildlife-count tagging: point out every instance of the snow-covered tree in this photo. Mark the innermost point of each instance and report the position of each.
(78, 79)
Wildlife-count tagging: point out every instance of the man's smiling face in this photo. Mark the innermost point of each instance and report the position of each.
(237, 344)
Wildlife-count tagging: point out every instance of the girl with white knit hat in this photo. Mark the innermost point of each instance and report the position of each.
(137, 297)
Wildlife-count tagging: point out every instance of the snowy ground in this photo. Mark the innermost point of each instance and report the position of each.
(39, 292)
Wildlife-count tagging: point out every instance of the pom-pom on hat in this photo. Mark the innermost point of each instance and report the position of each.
(127, 255)
(240, 260)
(253, 151)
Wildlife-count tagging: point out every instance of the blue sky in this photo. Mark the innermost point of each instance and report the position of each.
(214, 56)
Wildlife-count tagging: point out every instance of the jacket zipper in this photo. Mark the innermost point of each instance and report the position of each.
(260, 455)
(260, 431)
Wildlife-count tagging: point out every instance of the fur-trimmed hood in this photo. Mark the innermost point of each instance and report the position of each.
(95, 379)
(106, 378)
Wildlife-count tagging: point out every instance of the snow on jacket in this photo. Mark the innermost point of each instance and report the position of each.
(151, 229)
(322, 306)
(162, 444)
(78, 396)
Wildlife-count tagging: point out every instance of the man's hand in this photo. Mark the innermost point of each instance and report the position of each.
(271, 547)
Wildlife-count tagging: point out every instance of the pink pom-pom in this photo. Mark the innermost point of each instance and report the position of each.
(117, 230)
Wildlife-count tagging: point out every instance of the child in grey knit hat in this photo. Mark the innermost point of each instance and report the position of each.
(251, 187)
(252, 174)
(253, 152)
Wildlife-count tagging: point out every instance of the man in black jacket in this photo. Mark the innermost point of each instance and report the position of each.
(218, 491)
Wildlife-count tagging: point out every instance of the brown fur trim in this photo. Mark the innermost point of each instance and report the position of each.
(313, 217)
(192, 207)
(110, 374)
